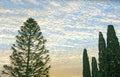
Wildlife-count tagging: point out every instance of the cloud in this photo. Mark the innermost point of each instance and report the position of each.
(110, 20)
(55, 3)
(23, 1)
(68, 26)
(17, 1)
(22, 12)
(33, 2)
(61, 24)
(5, 10)
(70, 7)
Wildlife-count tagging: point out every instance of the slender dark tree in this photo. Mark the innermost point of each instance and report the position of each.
(29, 57)
(102, 55)
(113, 53)
(95, 72)
(86, 65)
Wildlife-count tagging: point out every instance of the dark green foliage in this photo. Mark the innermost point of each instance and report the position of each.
(86, 65)
(29, 57)
(94, 68)
(113, 53)
(102, 55)
(109, 57)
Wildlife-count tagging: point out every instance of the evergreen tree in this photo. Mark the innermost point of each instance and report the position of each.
(113, 53)
(29, 57)
(102, 55)
(86, 65)
(95, 72)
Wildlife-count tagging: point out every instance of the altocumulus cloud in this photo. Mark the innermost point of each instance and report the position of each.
(69, 27)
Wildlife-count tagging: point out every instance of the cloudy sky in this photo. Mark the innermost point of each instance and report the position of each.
(68, 25)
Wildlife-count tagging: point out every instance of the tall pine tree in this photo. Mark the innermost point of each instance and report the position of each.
(29, 57)
(102, 55)
(113, 53)
(95, 72)
(86, 65)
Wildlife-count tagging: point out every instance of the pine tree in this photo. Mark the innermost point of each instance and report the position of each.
(86, 65)
(29, 57)
(113, 53)
(102, 55)
(95, 72)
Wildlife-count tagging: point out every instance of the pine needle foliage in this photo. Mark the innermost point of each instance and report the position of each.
(30, 57)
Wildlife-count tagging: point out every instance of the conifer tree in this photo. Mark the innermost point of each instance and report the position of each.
(86, 65)
(95, 72)
(102, 55)
(113, 53)
(29, 57)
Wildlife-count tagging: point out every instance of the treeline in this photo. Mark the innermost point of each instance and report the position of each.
(108, 57)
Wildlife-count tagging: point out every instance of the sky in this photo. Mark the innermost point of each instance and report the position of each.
(69, 26)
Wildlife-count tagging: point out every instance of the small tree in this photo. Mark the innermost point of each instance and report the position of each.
(102, 55)
(95, 72)
(29, 57)
(113, 53)
(86, 65)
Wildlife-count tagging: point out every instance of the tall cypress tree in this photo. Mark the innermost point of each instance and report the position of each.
(95, 72)
(29, 57)
(102, 55)
(113, 53)
(86, 65)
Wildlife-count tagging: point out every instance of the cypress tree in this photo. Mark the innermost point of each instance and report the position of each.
(29, 57)
(113, 53)
(86, 65)
(102, 55)
(95, 72)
